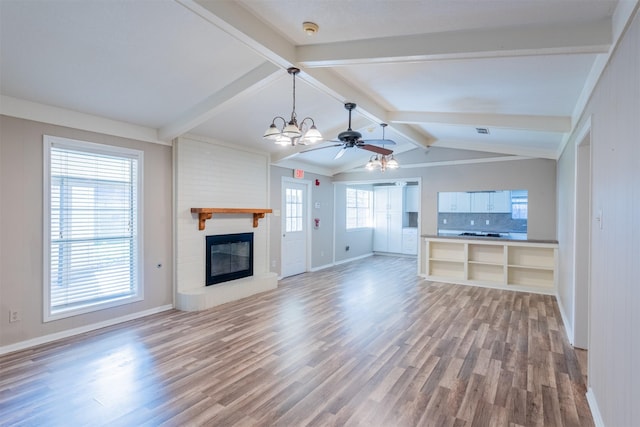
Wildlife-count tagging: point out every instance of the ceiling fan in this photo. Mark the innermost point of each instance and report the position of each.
(351, 138)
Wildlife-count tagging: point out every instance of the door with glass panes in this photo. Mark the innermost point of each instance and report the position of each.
(294, 228)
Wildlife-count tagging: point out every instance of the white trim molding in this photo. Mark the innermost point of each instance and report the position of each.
(80, 330)
(28, 110)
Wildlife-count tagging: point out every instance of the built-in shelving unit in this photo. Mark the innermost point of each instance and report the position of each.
(207, 213)
(512, 265)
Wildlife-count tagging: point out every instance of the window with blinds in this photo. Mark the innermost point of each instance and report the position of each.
(93, 250)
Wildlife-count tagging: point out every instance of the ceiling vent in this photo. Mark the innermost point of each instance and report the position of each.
(482, 131)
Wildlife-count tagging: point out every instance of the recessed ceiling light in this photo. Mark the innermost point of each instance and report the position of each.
(311, 28)
(482, 131)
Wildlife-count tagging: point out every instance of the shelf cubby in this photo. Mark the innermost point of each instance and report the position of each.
(487, 254)
(447, 251)
(493, 273)
(531, 256)
(525, 276)
(446, 269)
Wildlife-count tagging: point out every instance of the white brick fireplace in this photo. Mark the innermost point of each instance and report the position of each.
(210, 174)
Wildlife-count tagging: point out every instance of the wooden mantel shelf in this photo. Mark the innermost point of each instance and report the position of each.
(207, 213)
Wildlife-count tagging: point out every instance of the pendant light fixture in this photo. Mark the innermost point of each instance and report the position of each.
(292, 133)
(381, 161)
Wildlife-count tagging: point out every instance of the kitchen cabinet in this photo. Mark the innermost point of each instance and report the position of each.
(411, 198)
(458, 202)
(387, 211)
(410, 241)
(494, 202)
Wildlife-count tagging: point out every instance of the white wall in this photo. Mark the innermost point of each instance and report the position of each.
(538, 176)
(614, 338)
(210, 174)
(21, 239)
(321, 238)
(565, 206)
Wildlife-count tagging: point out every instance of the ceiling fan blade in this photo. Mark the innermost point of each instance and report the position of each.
(340, 153)
(375, 149)
(380, 141)
(320, 148)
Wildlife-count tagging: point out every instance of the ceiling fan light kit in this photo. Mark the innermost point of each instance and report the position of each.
(381, 161)
(351, 138)
(292, 133)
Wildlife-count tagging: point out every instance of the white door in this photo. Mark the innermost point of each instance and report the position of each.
(294, 228)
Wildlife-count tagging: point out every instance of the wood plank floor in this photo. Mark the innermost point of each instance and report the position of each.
(365, 343)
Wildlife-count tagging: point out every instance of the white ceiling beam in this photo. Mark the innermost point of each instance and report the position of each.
(499, 42)
(505, 121)
(497, 148)
(242, 25)
(28, 110)
(244, 86)
(245, 27)
(328, 81)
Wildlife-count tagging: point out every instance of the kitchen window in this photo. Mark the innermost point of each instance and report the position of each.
(359, 208)
(93, 247)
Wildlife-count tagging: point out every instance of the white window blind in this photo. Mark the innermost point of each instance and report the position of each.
(93, 248)
(359, 212)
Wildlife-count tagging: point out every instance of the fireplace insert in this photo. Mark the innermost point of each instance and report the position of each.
(229, 257)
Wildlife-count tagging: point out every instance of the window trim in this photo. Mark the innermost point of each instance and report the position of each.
(48, 142)
(355, 229)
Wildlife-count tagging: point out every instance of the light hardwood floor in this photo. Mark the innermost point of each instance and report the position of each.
(364, 343)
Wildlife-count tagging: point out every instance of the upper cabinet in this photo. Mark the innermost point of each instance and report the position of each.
(387, 199)
(411, 198)
(454, 202)
(494, 202)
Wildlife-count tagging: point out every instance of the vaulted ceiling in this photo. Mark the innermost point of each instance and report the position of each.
(433, 70)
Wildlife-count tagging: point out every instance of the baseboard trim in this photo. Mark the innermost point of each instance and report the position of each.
(22, 345)
(568, 327)
(595, 411)
(344, 261)
(321, 267)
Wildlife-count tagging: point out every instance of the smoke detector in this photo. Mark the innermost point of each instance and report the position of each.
(311, 28)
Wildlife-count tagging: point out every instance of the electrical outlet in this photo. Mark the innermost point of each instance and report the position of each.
(273, 263)
(14, 316)
(444, 221)
(473, 222)
(487, 222)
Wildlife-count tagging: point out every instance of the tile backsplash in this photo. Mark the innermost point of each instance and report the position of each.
(477, 222)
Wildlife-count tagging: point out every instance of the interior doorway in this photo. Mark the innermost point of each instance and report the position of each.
(295, 227)
(582, 242)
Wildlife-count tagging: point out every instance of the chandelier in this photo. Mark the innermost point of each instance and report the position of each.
(291, 133)
(382, 161)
